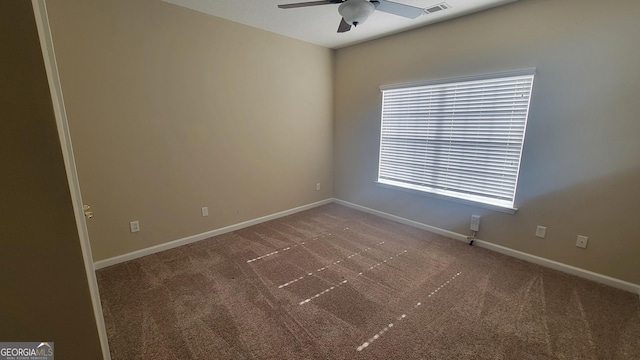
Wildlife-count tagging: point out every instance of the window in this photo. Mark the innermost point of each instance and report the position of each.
(460, 138)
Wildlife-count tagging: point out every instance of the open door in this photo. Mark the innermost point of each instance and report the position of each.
(46, 42)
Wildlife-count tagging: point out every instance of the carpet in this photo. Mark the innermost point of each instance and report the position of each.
(336, 283)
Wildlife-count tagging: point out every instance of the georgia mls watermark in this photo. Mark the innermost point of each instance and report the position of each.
(26, 350)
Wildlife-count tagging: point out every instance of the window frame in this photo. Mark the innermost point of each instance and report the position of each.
(444, 194)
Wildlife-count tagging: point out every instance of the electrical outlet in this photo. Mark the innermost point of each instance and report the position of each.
(582, 241)
(318, 186)
(205, 211)
(134, 226)
(475, 223)
(541, 231)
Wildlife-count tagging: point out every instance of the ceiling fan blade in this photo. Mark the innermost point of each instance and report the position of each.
(309, 3)
(403, 10)
(344, 26)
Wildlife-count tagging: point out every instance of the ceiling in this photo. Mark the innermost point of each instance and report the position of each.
(318, 24)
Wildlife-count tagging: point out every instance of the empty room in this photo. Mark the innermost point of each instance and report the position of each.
(340, 179)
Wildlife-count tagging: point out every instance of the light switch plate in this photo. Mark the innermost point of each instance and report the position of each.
(541, 231)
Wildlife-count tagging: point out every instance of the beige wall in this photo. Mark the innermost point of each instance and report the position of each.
(580, 170)
(44, 290)
(171, 110)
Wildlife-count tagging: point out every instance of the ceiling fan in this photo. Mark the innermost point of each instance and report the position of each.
(355, 12)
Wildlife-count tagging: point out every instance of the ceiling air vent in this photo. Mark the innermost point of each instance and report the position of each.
(436, 8)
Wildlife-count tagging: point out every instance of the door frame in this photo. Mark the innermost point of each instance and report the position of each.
(55, 88)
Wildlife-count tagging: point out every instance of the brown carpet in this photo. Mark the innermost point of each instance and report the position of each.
(335, 283)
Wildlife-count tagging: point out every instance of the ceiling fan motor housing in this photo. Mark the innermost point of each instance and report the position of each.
(356, 12)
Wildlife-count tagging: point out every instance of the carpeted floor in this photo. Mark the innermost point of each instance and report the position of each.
(335, 283)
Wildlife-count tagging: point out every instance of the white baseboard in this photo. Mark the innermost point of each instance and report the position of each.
(586, 274)
(419, 225)
(193, 238)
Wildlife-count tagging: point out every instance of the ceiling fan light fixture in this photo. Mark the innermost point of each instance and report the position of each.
(355, 12)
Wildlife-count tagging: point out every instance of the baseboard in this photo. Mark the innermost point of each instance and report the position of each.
(419, 225)
(586, 274)
(198, 237)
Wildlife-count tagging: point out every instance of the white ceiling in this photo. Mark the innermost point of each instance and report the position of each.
(318, 24)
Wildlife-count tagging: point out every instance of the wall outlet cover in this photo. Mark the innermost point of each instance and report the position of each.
(475, 223)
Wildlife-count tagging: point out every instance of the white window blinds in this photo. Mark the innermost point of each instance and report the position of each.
(460, 138)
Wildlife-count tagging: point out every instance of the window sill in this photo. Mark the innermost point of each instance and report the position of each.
(507, 210)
